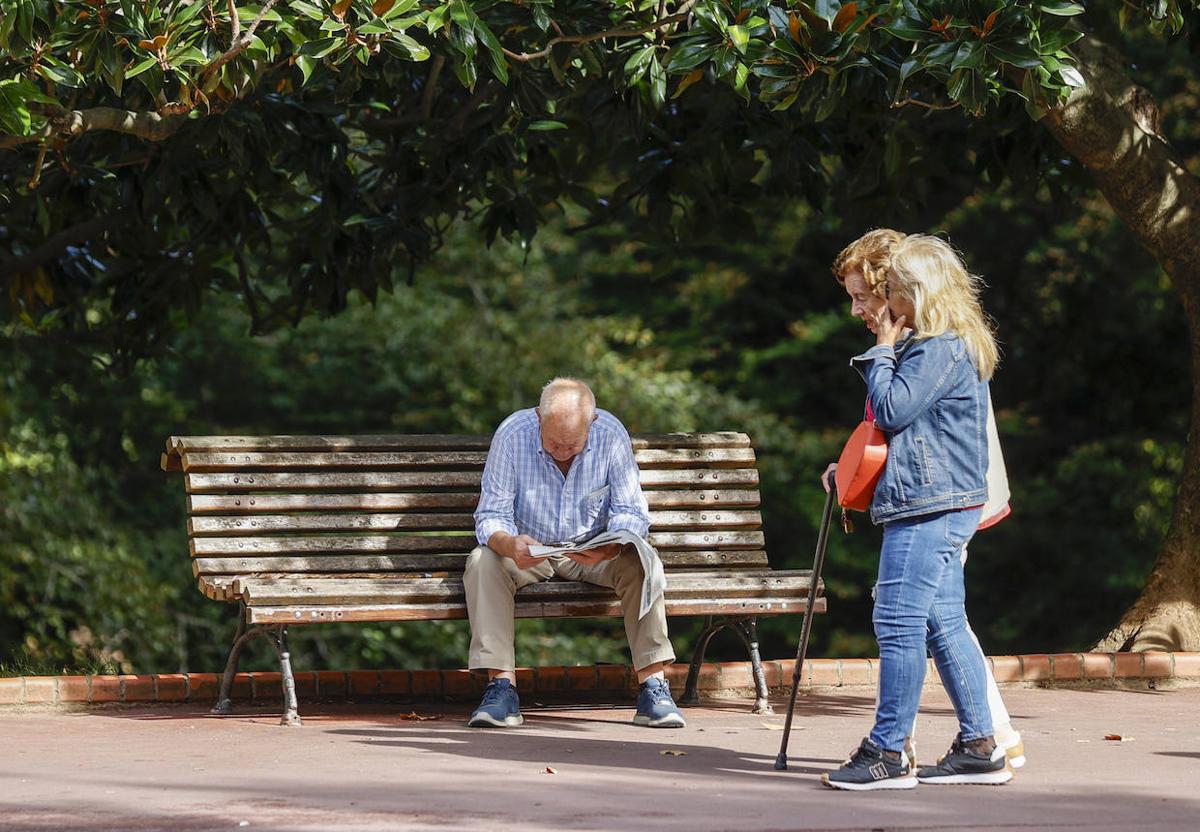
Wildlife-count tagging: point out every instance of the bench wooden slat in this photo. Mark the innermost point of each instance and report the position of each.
(265, 524)
(197, 463)
(177, 445)
(355, 591)
(389, 480)
(247, 503)
(301, 614)
(337, 564)
(436, 543)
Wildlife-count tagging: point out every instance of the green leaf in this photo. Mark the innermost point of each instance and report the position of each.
(1071, 76)
(1062, 9)
(307, 65)
(691, 55)
(320, 47)
(967, 87)
(374, 27)
(542, 126)
(495, 51)
(247, 14)
(414, 49)
(740, 36)
(1018, 55)
(188, 56)
(638, 63)
(140, 67)
(968, 55)
(658, 83)
(14, 112)
(188, 13)
(399, 9)
(60, 73)
(307, 9)
(437, 19)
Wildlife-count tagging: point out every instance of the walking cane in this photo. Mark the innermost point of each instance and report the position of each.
(806, 628)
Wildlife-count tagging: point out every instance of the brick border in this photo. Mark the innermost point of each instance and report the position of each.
(462, 685)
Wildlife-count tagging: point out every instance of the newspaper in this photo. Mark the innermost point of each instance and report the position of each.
(655, 580)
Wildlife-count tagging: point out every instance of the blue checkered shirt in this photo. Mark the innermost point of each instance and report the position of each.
(524, 492)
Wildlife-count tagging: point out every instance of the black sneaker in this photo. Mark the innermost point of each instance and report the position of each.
(870, 768)
(963, 765)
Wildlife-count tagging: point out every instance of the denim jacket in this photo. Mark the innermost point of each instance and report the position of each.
(927, 397)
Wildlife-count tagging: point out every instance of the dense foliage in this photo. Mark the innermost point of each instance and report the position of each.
(298, 151)
(753, 335)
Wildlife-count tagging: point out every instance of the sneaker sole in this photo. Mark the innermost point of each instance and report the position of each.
(990, 778)
(669, 721)
(909, 782)
(485, 721)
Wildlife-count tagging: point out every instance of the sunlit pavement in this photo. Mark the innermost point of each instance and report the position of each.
(586, 767)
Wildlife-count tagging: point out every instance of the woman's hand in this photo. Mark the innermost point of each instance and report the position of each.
(827, 477)
(887, 330)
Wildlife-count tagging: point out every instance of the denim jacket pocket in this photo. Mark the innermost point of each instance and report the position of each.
(922, 462)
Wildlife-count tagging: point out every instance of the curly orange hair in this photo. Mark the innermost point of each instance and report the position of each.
(870, 254)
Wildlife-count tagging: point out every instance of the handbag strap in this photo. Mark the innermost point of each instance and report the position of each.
(870, 412)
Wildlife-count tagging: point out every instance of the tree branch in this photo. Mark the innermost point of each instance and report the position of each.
(235, 24)
(431, 86)
(239, 43)
(678, 17)
(56, 244)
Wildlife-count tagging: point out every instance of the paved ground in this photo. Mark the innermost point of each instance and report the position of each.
(370, 768)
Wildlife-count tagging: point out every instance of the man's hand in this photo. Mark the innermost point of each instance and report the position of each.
(591, 557)
(516, 548)
(520, 551)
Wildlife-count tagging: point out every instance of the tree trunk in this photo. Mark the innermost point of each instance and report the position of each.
(1111, 126)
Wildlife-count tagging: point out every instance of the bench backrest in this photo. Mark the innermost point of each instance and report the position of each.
(390, 506)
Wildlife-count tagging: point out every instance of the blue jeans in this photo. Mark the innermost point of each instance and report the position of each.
(919, 605)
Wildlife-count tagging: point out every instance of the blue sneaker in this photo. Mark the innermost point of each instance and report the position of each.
(656, 708)
(500, 708)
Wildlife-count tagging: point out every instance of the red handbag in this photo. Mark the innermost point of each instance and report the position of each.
(861, 464)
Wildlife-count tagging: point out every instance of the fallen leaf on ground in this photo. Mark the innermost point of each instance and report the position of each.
(772, 726)
(1117, 738)
(671, 752)
(416, 717)
(550, 770)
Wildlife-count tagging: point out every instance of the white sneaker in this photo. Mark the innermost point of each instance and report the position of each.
(1014, 749)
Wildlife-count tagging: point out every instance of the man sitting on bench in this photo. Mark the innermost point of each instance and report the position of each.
(563, 471)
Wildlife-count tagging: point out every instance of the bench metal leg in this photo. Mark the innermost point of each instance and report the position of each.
(747, 628)
(241, 638)
(691, 695)
(291, 708)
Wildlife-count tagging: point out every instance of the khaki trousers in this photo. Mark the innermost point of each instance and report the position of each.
(492, 580)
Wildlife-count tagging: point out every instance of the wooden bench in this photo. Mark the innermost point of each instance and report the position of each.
(301, 530)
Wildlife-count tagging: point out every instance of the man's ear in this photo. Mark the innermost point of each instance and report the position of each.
(537, 411)
(595, 416)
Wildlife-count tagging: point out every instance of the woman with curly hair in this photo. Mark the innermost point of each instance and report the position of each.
(927, 383)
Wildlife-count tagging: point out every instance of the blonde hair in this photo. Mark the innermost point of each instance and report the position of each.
(870, 254)
(945, 297)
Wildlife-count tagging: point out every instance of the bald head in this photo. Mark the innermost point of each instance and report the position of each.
(566, 412)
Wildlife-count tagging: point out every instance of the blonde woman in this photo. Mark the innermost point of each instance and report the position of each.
(929, 392)
(861, 269)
